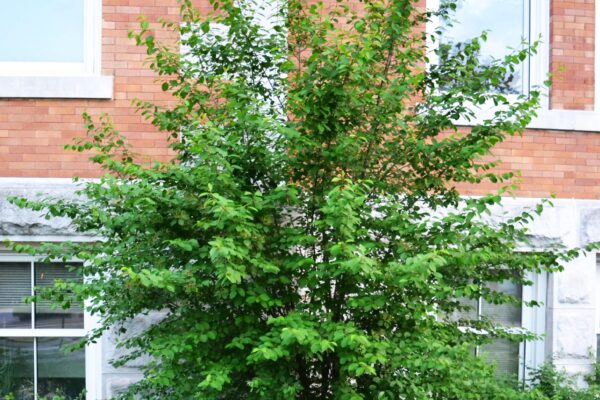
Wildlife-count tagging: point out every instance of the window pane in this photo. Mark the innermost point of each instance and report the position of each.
(503, 353)
(504, 21)
(60, 373)
(42, 30)
(16, 368)
(15, 285)
(46, 316)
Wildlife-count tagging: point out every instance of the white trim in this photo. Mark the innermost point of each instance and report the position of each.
(18, 181)
(96, 37)
(50, 238)
(532, 354)
(68, 87)
(93, 361)
(539, 68)
(597, 295)
(564, 120)
(32, 287)
(432, 24)
(70, 333)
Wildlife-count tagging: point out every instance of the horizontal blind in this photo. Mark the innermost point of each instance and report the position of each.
(15, 285)
(47, 315)
(503, 353)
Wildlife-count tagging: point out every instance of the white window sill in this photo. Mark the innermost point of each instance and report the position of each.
(59, 87)
(563, 120)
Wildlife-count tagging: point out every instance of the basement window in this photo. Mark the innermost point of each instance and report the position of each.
(33, 363)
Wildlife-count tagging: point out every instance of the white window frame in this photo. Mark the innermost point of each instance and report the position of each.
(564, 120)
(93, 352)
(92, 42)
(532, 354)
(597, 322)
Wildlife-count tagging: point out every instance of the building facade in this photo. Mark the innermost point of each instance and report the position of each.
(85, 62)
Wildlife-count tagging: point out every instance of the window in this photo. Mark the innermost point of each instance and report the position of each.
(515, 359)
(48, 37)
(504, 352)
(506, 26)
(52, 49)
(508, 23)
(32, 336)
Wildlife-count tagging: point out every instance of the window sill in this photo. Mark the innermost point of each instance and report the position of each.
(563, 120)
(57, 87)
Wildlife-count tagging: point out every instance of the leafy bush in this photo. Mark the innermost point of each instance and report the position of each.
(308, 241)
(555, 384)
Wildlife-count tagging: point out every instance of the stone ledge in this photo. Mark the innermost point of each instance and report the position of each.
(17, 222)
(59, 87)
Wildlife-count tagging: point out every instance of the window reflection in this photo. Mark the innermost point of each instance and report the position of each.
(504, 21)
(60, 373)
(16, 368)
(504, 352)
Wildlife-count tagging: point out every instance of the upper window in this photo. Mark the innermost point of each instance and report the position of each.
(33, 363)
(49, 37)
(509, 24)
(506, 27)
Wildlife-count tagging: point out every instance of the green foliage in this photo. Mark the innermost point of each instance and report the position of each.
(307, 240)
(554, 384)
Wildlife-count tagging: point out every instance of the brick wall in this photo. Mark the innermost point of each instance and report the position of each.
(33, 132)
(572, 27)
(566, 164)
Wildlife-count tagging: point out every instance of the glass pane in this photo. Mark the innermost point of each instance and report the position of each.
(47, 316)
(42, 30)
(15, 285)
(16, 368)
(471, 313)
(504, 21)
(503, 353)
(60, 373)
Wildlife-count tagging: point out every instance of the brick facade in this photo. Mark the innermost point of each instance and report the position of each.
(572, 28)
(34, 131)
(561, 163)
